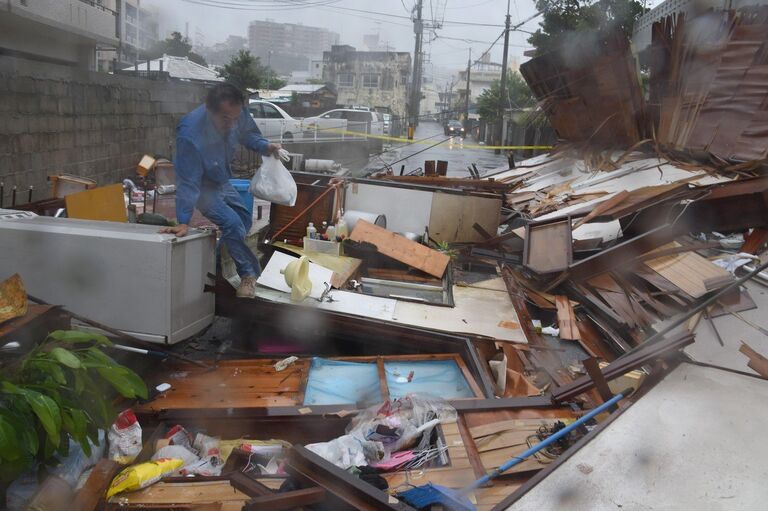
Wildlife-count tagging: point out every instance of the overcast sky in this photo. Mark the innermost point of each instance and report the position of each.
(446, 48)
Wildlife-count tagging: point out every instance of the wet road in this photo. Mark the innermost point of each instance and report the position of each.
(452, 151)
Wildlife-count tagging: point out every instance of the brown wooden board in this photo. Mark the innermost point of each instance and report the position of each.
(89, 496)
(757, 362)
(689, 271)
(548, 247)
(566, 319)
(401, 248)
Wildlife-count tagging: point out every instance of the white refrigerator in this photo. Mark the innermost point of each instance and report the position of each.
(126, 276)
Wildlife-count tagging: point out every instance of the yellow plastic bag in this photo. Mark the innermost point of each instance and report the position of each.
(142, 475)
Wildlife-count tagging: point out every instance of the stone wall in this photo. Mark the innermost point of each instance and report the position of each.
(57, 119)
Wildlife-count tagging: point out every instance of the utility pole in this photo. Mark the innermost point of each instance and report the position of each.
(466, 99)
(503, 86)
(418, 29)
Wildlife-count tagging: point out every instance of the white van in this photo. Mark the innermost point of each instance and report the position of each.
(274, 122)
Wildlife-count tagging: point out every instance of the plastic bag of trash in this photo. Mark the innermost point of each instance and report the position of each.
(125, 438)
(400, 423)
(273, 183)
(178, 452)
(349, 451)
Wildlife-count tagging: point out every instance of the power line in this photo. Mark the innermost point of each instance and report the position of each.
(252, 5)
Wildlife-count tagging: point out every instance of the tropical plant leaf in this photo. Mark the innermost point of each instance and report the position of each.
(97, 355)
(76, 336)
(66, 358)
(9, 446)
(47, 412)
(125, 381)
(57, 373)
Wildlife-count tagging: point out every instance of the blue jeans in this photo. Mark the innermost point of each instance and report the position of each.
(222, 206)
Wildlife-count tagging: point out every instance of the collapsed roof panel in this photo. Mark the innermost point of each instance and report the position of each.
(709, 83)
(590, 90)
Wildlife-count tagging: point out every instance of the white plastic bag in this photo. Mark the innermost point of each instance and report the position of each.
(125, 438)
(273, 183)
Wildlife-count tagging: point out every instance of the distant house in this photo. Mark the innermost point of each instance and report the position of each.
(314, 96)
(376, 79)
(178, 68)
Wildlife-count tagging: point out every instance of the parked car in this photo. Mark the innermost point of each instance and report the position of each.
(335, 122)
(274, 122)
(454, 128)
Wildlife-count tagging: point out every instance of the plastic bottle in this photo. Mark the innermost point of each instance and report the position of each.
(331, 232)
(341, 226)
(311, 231)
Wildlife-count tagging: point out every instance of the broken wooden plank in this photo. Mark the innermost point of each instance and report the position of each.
(286, 500)
(642, 355)
(401, 248)
(689, 271)
(757, 362)
(566, 319)
(89, 496)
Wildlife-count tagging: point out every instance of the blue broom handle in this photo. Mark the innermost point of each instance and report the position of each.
(547, 441)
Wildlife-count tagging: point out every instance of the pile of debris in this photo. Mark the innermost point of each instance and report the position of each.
(467, 336)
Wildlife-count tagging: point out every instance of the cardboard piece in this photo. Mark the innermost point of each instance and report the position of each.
(402, 249)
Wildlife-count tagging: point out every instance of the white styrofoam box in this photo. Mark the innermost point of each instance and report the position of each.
(125, 276)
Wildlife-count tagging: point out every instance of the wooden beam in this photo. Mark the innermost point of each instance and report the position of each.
(89, 496)
(643, 355)
(286, 500)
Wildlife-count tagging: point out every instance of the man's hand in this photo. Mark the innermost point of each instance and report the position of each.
(272, 149)
(180, 230)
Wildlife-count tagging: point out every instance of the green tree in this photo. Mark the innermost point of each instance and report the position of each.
(246, 71)
(519, 96)
(176, 45)
(563, 17)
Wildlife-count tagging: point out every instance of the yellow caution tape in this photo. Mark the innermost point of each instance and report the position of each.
(358, 134)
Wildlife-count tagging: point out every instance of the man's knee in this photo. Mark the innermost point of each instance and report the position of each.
(228, 221)
(233, 227)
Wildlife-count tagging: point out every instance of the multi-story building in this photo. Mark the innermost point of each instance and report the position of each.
(481, 76)
(376, 79)
(287, 47)
(137, 31)
(61, 31)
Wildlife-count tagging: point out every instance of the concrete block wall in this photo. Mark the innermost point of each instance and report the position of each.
(57, 119)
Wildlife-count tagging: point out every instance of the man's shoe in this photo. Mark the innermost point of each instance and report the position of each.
(247, 288)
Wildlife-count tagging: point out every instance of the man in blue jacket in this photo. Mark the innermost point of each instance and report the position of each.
(206, 140)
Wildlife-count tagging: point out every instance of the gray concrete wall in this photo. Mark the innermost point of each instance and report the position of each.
(58, 119)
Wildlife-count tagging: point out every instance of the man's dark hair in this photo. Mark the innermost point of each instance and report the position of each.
(223, 92)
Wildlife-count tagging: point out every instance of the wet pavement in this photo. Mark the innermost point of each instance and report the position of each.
(451, 149)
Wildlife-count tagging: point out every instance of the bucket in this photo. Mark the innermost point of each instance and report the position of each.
(351, 217)
(241, 187)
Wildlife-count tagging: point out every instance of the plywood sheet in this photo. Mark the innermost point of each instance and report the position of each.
(659, 453)
(453, 216)
(402, 249)
(168, 494)
(233, 384)
(688, 271)
(481, 312)
(104, 203)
